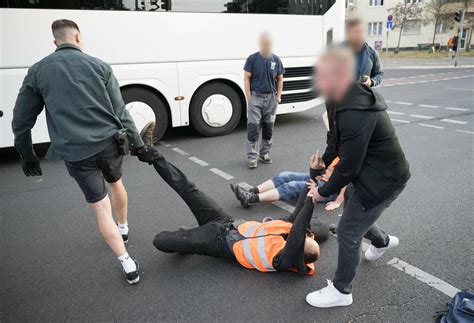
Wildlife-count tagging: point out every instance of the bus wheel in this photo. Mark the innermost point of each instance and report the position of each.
(215, 109)
(145, 106)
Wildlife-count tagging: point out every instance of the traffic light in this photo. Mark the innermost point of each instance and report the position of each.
(458, 15)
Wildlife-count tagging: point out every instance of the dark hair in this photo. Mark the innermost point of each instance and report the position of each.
(59, 26)
(353, 22)
(310, 257)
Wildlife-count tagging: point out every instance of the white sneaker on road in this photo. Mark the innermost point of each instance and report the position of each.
(328, 297)
(373, 253)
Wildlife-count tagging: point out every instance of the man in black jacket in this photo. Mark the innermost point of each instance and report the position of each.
(372, 164)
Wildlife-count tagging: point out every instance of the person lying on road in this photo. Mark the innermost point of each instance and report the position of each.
(288, 186)
(268, 246)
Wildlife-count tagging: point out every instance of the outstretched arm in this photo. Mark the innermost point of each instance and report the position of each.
(292, 256)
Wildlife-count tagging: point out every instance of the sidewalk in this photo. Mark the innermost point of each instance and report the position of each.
(425, 63)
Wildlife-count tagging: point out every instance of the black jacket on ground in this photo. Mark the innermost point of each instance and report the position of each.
(362, 135)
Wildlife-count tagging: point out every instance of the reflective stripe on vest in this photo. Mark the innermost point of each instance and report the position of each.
(260, 247)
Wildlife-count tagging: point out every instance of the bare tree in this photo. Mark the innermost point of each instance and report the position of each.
(404, 15)
(436, 12)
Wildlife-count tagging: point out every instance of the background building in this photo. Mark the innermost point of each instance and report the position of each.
(418, 34)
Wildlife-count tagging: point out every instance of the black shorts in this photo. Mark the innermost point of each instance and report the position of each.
(91, 173)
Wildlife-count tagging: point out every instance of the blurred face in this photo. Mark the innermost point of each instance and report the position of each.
(265, 44)
(355, 36)
(333, 79)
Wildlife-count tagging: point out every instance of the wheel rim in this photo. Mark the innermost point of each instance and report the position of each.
(217, 110)
(141, 113)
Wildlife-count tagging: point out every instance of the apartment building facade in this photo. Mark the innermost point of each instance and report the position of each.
(419, 33)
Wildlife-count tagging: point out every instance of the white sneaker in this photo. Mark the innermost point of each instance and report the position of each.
(328, 297)
(373, 253)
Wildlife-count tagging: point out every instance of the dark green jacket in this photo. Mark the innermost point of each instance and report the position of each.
(363, 137)
(84, 106)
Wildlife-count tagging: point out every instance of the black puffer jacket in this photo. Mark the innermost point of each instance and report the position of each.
(363, 137)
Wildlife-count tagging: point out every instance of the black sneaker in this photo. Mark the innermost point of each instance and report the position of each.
(244, 196)
(125, 238)
(265, 159)
(132, 277)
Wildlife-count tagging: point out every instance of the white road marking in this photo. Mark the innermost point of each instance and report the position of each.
(399, 120)
(420, 116)
(459, 89)
(456, 109)
(395, 112)
(164, 143)
(199, 161)
(221, 173)
(404, 103)
(285, 206)
(428, 106)
(179, 151)
(388, 101)
(424, 277)
(453, 121)
(465, 131)
(430, 126)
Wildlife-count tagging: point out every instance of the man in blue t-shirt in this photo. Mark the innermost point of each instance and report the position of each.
(263, 79)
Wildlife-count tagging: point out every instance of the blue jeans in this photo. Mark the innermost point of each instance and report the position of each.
(290, 184)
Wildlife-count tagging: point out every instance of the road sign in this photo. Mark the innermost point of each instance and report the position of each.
(389, 18)
(389, 25)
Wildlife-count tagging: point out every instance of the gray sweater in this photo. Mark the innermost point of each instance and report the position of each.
(84, 105)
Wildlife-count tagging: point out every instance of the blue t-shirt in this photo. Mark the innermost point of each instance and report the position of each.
(264, 72)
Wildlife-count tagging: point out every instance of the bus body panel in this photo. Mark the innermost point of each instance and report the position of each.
(173, 53)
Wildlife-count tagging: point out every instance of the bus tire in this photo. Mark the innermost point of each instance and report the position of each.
(215, 109)
(153, 101)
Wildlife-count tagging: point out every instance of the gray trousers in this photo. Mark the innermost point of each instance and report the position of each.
(357, 222)
(261, 115)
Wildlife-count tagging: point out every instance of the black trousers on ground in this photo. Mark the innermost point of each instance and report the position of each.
(357, 223)
(209, 238)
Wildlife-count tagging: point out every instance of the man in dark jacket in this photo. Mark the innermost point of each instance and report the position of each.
(372, 164)
(85, 115)
(368, 68)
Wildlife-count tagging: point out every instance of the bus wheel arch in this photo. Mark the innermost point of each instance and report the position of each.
(216, 107)
(146, 104)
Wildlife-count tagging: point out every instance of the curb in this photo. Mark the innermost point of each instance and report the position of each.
(425, 67)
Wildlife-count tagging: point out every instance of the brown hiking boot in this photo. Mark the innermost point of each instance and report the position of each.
(147, 133)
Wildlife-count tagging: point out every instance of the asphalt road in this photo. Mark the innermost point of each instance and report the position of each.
(55, 266)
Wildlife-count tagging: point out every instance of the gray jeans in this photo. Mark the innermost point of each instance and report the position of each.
(357, 222)
(261, 115)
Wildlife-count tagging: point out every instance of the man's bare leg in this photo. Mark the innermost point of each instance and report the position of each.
(107, 226)
(111, 234)
(269, 196)
(119, 200)
(266, 186)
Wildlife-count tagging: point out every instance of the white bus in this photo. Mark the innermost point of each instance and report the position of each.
(179, 62)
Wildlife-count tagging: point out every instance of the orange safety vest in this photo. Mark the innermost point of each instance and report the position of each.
(330, 169)
(263, 242)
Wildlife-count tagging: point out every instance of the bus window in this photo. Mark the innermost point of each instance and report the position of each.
(305, 7)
